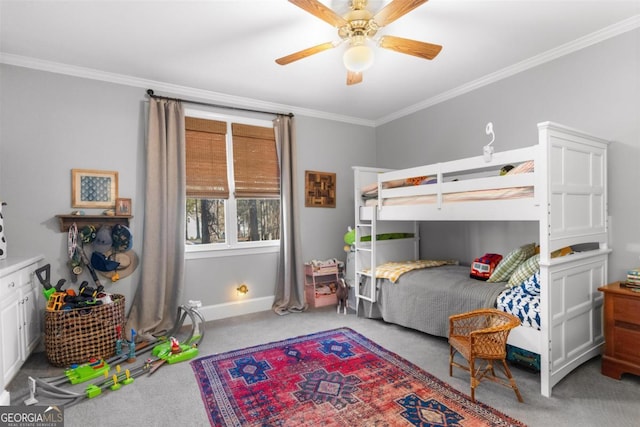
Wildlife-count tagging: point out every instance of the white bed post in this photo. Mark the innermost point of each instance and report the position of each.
(542, 195)
(575, 200)
(357, 197)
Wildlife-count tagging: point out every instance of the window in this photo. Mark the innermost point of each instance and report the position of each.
(233, 183)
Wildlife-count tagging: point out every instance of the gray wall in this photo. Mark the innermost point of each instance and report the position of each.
(331, 147)
(596, 89)
(53, 123)
(50, 124)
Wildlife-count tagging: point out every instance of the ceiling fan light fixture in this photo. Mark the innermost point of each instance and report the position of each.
(358, 58)
(358, 27)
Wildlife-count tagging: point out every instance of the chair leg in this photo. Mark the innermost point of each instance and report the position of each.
(512, 381)
(472, 379)
(490, 368)
(452, 352)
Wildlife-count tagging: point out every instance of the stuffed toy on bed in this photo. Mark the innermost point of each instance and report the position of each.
(481, 268)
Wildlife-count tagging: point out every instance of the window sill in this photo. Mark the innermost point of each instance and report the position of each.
(226, 252)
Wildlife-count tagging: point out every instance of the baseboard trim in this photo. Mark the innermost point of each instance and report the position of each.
(235, 308)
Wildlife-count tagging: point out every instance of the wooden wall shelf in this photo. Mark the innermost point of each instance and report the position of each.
(95, 220)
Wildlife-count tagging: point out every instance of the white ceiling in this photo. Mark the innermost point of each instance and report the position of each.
(225, 50)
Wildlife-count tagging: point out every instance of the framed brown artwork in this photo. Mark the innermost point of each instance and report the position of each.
(93, 188)
(319, 189)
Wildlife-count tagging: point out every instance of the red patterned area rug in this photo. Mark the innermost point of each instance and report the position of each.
(331, 378)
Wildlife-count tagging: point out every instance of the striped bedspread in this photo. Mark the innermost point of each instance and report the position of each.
(424, 299)
(393, 270)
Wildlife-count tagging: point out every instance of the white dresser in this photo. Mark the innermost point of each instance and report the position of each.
(20, 308)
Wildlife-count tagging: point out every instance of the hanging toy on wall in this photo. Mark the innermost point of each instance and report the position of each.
(487, 150)
(75, 240)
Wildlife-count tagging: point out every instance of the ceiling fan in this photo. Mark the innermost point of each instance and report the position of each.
(358, 27)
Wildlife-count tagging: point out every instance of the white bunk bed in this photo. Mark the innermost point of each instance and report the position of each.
(568, 200)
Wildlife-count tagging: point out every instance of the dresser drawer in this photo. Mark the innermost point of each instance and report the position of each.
(627, 345)
(626, 310)
(11, 282)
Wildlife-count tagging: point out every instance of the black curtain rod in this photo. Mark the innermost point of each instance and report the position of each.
(152, 95)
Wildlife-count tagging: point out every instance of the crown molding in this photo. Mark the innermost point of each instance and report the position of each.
(236, 101)
(555, 53)
(168, 88)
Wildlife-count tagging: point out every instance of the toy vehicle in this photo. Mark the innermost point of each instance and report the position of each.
(482, 267)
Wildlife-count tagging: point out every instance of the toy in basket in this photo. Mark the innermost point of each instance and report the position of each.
(77, 335)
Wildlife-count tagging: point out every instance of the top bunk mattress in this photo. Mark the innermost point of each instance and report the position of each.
(429, 189)
(465, 196)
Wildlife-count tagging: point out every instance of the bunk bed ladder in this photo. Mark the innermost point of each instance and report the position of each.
(364, 251)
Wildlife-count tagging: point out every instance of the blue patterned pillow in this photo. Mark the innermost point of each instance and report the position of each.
(511, 262)
(518, 303)
(525, 270)
(531, 286)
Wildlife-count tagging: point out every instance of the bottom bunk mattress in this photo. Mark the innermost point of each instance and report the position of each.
(424, 299)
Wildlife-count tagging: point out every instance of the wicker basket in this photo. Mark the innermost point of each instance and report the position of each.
(76, 336)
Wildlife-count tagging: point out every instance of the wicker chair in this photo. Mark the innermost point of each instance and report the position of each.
(482, 334)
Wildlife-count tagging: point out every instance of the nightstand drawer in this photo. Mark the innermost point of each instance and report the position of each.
(626, 310)
(621, 311)
(626, 345)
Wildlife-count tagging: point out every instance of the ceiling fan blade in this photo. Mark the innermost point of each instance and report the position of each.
(410, 47)
(304, 53)
(354, 77)
(321, 11)
(395, 10)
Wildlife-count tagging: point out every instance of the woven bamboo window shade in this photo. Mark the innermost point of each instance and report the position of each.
(255, 162)
(206, 152)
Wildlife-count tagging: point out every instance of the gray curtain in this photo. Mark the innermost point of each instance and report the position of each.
(290, 282)
(155, 304)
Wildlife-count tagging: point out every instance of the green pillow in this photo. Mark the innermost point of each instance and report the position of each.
(511, 262)
(525, 270)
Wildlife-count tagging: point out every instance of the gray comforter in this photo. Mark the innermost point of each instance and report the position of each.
(424, 299)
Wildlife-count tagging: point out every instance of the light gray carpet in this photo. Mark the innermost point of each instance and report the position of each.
(171, 397)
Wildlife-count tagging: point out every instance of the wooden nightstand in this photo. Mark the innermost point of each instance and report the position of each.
(621, 331)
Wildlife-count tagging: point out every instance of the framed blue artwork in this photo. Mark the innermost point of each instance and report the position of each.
(93, 188)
